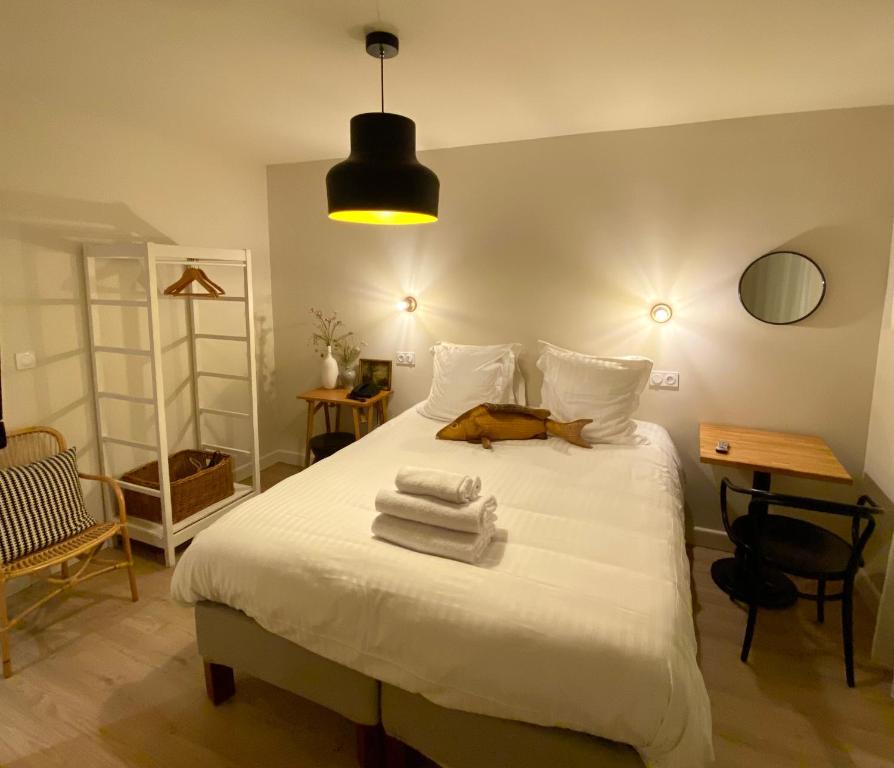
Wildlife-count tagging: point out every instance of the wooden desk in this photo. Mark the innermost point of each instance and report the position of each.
(325, 399)
(767, 452)
(764, 453)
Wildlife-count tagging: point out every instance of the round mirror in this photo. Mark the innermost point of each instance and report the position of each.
(782, 287)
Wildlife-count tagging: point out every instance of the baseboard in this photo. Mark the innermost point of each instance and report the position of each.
(21, 584)
(711, 538)
(269, 459)
(18, 585)
(282, 456)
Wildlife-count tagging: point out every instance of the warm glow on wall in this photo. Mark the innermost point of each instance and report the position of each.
(407, 304)
(661, 313)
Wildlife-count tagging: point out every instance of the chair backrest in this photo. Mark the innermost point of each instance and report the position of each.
(861, 513)
(25, 446)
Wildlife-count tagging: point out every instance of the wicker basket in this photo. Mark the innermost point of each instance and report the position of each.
(191, 489)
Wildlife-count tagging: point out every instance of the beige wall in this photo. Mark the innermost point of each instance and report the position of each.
(572, 239)
(66, 179)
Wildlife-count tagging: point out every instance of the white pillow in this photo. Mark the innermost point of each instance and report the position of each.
(605, 389)
(466, 375)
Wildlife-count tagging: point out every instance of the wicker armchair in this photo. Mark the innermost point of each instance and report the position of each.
(24, 447)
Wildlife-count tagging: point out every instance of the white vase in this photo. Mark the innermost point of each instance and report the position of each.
(329, 370)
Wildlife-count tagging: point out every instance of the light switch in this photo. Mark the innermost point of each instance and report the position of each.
(25, 360)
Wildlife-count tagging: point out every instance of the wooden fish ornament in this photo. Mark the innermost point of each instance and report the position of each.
(489, 422)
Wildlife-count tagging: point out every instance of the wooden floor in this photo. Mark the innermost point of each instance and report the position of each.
(101, 681)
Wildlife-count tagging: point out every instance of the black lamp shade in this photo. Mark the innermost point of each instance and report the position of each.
(382, 182)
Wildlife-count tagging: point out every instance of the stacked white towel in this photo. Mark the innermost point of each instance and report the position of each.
(436, 512)
(448, 486)
(471, 517)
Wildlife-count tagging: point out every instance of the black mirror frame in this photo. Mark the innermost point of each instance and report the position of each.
(789, 322)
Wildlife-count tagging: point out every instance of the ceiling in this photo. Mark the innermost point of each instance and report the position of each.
(276, 80)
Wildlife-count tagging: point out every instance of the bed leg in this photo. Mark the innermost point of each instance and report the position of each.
(370, 746)
(219, 682)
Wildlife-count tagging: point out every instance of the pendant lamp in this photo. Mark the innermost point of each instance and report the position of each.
(382, 182)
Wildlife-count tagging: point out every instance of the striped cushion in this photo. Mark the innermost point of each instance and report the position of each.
(40, 504)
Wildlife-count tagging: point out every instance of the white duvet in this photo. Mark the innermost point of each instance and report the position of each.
(580, 619)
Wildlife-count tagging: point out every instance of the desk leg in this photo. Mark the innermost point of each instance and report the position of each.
(730, 573)
(338, 418)
(328, 424)
(355, 412)
(310, 432)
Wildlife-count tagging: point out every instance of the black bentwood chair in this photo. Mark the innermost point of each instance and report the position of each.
(800, 548)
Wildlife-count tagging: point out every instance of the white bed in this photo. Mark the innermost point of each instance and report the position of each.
(580, 619)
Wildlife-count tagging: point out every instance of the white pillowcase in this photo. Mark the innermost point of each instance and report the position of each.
(466, 375)
(605, 389)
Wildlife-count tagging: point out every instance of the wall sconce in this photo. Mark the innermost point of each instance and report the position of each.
(407, 304)
(661, 313)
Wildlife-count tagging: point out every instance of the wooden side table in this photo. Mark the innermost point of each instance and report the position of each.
(325, 399)
(765, 453)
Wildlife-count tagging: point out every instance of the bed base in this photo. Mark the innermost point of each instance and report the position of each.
(466, 740)
(391, 723)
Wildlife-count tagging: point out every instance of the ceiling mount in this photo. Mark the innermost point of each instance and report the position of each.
(382, 45)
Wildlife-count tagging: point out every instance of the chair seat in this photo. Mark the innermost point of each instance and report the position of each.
(56, 553)
(796, 546)
(329, 442)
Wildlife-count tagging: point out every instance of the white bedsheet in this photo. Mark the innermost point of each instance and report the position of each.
(581, 619)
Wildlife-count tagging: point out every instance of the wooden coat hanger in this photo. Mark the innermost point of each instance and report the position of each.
(194, 275)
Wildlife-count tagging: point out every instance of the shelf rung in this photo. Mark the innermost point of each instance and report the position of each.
(221, 337)
(222, 412)
(215, 375)
(124, 351)
(118, 302)
(226, 449)
(202, 297)
(175, 343)
(140, 489)
(116, 256)
(126, 398)
(131, 443)
(202, 262)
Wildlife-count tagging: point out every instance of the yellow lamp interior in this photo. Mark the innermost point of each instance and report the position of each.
(383, 217)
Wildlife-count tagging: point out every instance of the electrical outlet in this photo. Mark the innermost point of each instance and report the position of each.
(405, 358)
(25, 360)
(664, 380)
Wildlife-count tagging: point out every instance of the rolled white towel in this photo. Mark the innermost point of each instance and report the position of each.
(432, 540)
(449, 486)
(472, 517)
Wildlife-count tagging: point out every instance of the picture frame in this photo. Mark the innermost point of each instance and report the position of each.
(376, 371)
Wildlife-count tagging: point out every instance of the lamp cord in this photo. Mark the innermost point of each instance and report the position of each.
(382, 75)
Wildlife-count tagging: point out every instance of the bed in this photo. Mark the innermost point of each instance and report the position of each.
(575, 633)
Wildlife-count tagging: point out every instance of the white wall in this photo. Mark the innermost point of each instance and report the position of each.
(66, 179)
(880, 443)
(572, 239)
(880, 476)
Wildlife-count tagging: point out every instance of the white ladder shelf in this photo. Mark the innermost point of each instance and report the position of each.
(167, 535)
